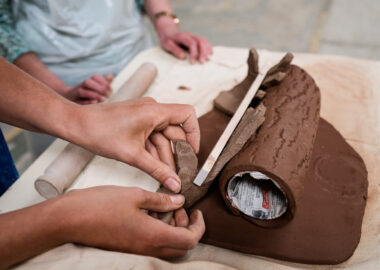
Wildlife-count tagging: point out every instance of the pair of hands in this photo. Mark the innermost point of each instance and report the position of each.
(111, 217)
(142, 130)
(98, 87)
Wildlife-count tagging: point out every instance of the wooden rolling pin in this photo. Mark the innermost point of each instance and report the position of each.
(62, 172)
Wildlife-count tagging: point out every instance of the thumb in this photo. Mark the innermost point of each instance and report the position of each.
(159, 171)
(159, 202)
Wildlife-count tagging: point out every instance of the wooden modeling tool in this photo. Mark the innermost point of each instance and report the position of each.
(62, 172)
(218, 148)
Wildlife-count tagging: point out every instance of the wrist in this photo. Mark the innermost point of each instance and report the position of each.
(67, 220)
(58, 221)
(67, 123)
(31, 64)
(165, 25)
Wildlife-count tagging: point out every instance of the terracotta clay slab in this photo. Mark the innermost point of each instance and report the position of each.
(331, 196)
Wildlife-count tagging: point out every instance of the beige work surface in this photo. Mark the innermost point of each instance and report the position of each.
(350, 101)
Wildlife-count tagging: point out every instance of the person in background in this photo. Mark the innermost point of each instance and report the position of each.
(76, 46)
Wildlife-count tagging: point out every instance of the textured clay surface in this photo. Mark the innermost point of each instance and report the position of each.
(327, 225)
(324, 176)
(283, 146)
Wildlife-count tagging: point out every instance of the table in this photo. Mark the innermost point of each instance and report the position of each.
(350, 91)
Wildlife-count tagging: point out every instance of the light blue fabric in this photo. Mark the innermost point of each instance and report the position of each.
(77, 38)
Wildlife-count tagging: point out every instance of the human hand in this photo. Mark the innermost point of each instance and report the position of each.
(174, 41)
(199, 48)
(93, 90)
(110, 217)
(138, 132)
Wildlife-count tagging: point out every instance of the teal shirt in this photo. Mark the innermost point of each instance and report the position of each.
(12, 44)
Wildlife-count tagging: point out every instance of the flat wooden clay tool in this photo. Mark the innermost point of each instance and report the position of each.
(61, 173)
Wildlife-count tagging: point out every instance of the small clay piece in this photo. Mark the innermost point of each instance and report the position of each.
(187, 167)
(229, 101)
(260, 94)
(278, 72)
(184, 88)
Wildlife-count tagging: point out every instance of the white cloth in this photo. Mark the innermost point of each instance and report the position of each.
(350, 101)
(77, 38)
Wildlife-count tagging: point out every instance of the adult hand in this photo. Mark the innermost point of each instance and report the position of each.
(138, 133)
(93, 90)
(199, 48)
(110, 217)
(175, 41)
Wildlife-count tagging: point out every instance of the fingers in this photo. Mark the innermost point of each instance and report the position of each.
(149, 146)
(177, 51)
(162, 144)
(174, 133)
(99, 84)
(205, 49)
(180, 218)
(191, 43)
(199, 48)
(158, 170)
(181, 237)
(89, 94)
(184, 115)
(109, 77)
(156, 201)
(159, 146)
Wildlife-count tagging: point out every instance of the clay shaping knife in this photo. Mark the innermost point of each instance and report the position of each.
(218, 148)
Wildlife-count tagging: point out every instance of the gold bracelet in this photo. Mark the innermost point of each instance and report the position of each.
(167, 14)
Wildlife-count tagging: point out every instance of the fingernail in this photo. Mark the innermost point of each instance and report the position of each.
(177, 199)
(182, 56)
(173, 185)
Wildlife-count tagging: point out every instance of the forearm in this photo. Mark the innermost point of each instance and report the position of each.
(27, 103)
(32, 65)
(30, 231)
(152, 7)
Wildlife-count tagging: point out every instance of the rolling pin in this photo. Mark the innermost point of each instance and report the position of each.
(66, 167)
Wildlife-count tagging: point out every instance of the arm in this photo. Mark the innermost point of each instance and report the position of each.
(79, 217)
(92, 90)
(171, 39)
(103, 128)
